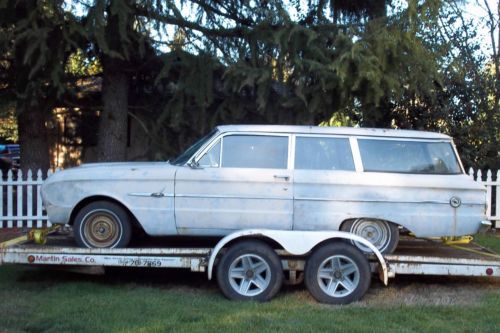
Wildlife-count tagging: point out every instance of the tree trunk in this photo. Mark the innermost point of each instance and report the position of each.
(113, 124)
(33, 138)
(112, 136)
(31, 107)
(377, 116)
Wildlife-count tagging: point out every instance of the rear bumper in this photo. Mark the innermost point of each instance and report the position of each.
(485, 226)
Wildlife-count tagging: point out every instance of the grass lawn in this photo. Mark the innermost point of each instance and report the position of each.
(489, 240)
(136, 300)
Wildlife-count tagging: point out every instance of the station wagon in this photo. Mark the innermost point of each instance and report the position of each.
(371, 182)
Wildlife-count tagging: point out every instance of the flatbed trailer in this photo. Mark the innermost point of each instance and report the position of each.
(296, 253)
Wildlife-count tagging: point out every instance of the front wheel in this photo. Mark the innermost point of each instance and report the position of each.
(382, 234)
(102, 224)
(337, 273)
(250, 270)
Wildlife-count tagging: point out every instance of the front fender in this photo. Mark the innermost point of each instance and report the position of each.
(297, 243)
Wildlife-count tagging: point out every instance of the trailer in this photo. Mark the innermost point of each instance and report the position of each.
(253, 264)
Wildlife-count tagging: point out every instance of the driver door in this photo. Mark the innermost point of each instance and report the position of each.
(242, 181)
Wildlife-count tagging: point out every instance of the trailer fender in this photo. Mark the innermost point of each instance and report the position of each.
(296, 243)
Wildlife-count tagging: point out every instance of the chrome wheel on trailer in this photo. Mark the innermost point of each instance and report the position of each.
(249, 275)
(337, 273)
(382, 234)
(250, 270)
(338, 276)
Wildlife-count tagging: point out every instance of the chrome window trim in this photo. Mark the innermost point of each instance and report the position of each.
(292, 139)
(358, 163)
(291, 152)
(392, 138)
(457, 155)
(450, 141)
(198, 155)
(208, 148)
(327, 136)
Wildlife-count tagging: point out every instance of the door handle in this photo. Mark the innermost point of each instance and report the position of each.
(287, 178)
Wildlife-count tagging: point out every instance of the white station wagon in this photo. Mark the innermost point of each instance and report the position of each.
(371, 182)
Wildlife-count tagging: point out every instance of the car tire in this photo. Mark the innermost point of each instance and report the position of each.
(102, 224)
(250, 270)
(382, 234)
(337, 273)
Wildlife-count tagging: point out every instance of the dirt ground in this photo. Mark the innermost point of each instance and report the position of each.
(6, 234)
(440, 290)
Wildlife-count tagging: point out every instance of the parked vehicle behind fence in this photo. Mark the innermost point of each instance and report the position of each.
(371, 182)
(9, 157)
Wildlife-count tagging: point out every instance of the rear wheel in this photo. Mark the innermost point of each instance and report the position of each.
(102, 224)
(382, 234)
(250, 270)
(337, 273)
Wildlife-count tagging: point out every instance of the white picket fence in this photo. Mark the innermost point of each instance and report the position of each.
(21, 202)
(22, 205)
(492, 194)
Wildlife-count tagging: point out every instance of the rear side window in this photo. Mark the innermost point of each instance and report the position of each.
(255, 151)
(323, 153)
(408, 156)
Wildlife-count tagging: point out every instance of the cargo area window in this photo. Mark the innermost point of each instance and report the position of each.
(408, 156)
(255, 151)
(323, 153)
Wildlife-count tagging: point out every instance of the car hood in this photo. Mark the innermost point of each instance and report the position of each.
(115, 171)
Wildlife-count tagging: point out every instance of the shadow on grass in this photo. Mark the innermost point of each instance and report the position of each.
(157, 278)
(43, 277)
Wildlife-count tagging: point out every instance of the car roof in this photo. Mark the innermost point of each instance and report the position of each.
(355, 131)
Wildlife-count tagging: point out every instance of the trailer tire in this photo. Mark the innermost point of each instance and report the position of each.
(337, 273)
(102, 224)
(250, 270)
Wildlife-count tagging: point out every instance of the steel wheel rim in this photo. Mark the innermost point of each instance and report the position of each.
(338, 276)
(101, 228)
(376, 232)
(249, 275)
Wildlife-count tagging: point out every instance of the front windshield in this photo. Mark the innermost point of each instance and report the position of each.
(188, 153)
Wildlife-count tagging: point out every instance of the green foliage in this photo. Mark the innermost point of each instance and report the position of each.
(8, 123)
(80, 65)
(340, 62)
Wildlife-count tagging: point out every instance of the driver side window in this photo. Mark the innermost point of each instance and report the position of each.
(211, 159)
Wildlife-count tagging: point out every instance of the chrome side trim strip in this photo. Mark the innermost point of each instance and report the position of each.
(383, 201)
(150, 194)
(218, 196)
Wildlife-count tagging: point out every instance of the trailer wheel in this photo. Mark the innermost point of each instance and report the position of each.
(102, 224)
(250, 270)
(337, 273)
(382, 234)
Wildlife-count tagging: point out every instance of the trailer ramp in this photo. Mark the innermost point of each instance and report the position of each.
(428, 257)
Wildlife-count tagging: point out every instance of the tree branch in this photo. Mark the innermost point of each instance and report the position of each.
(182, 22)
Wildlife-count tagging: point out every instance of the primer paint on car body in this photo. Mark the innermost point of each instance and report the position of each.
(145, 189)
(194, 199)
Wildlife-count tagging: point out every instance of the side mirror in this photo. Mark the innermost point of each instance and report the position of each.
(193, 164)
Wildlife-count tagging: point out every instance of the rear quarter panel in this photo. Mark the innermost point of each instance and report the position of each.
(420, 203)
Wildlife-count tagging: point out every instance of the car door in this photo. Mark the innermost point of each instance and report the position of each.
(324, 169)
(241, 181)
